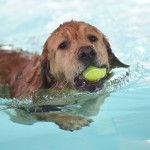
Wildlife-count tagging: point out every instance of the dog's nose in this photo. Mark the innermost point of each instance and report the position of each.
(86, 54)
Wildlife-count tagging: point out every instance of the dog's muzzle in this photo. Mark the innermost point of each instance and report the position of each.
(87, 56)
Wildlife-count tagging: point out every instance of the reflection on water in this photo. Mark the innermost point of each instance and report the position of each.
(68, 109)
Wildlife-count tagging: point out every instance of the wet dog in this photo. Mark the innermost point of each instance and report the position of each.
(67, 52)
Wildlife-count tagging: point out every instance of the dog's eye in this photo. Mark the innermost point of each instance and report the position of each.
(92, 38)
(63, 45)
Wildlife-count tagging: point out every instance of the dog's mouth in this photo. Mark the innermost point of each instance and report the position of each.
(82, 84)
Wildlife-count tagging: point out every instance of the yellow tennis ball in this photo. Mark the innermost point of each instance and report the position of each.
(94, 74)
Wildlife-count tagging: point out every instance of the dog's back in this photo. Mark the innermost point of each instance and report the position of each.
(11, 63)
(17, 69)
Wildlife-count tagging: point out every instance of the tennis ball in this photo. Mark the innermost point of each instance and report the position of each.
(93, 73)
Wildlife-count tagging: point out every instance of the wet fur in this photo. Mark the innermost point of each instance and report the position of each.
(25, 72)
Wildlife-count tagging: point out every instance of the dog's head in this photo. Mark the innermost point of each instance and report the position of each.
(70, 49)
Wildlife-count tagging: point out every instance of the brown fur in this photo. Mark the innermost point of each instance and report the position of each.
(55, 68)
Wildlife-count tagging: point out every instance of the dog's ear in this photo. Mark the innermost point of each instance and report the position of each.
(114, 62)
(47, 78)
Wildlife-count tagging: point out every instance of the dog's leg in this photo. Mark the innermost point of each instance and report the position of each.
(64, 121)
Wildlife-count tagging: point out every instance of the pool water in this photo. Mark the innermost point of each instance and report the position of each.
(122, 122)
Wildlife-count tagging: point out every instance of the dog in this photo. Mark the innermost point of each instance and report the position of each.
(67, 52)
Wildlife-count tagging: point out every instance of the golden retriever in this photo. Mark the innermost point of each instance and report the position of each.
(67, 52)
(70, 49)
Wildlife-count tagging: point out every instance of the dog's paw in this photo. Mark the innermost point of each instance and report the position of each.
(72, 123)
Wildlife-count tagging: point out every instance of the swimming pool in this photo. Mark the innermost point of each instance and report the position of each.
(122, 122)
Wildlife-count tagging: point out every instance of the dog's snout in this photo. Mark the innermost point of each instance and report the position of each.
(86, 54)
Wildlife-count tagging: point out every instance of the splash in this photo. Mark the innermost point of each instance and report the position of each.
(123, 79)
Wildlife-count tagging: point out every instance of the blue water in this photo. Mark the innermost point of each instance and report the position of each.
(123, 121)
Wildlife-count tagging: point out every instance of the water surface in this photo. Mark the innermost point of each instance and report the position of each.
(122, 123)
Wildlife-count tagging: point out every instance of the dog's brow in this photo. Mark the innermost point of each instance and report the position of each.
(90, 29)
(72, 32)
